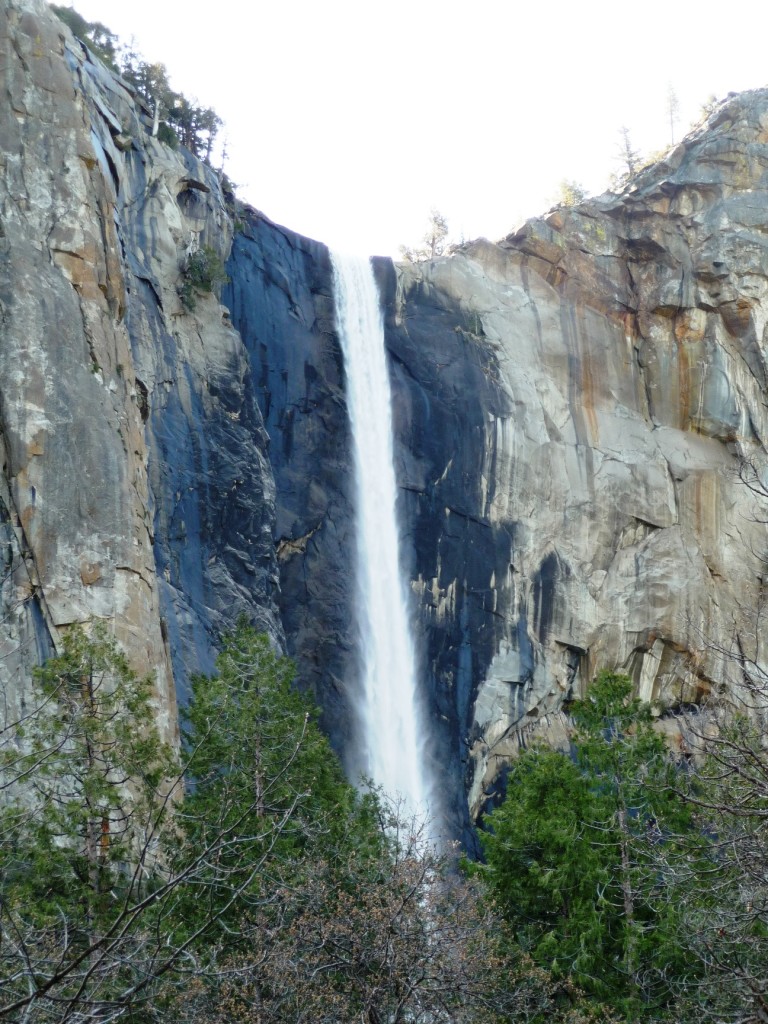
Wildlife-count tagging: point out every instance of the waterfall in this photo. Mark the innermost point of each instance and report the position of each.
(393, 741)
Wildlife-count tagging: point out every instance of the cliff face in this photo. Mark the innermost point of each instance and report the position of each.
(572, 407)
(625, 384)
(628, 340)
(135, 483)
(281, 299)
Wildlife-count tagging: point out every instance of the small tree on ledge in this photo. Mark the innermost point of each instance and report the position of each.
(433, 240)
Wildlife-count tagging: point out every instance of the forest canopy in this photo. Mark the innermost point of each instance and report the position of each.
(242, 877)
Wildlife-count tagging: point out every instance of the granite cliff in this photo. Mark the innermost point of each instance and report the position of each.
(573, 406)
(136, 486)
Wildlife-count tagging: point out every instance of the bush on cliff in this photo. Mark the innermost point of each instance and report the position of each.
(202, 273)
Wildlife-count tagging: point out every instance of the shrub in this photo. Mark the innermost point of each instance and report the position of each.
(203, 272)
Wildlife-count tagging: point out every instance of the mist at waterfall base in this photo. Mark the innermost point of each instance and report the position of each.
(392, 740)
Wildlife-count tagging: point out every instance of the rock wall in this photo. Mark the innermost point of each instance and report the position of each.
(281, 299)
(135, 487)
(572, 408)
(606, 368)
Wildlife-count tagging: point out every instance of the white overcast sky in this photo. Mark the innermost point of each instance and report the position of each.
(347, 120)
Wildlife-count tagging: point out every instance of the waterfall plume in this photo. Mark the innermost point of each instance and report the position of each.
(393, 740)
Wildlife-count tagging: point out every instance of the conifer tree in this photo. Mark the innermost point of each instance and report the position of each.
(432, 242)
(573, 853)
(113, 883)
(87, 788)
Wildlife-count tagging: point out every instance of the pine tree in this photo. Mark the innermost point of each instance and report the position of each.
(113, 883)
(433, 240)
(580, 851)
(260, 770)
(87, 786)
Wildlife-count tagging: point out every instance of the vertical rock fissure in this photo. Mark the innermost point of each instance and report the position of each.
(392, 741)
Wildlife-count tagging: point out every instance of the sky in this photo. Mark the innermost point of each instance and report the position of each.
(349, 120)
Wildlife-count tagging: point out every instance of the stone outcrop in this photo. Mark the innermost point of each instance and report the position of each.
(576, 404)
(572, 406)
(135, 486)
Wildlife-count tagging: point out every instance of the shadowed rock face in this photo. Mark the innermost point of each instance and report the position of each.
(571, 409)
(280, 296)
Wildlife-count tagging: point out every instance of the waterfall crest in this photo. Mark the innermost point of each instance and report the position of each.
(392, 739)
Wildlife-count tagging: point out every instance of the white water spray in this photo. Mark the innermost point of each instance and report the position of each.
(393, 738)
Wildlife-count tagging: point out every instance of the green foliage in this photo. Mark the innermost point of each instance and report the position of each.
(259, 769)
(570, 193)
(93, 754)
(543, 871)
(110, 882)
(432, 243)
(272, 891)
(95, 35)
(167, 135)
(86, 781)
(177, 120)
(256, 753)
(573, 854)
(196, 127)
(203, 272)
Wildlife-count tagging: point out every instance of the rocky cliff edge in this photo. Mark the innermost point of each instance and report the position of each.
(623, 345)
(135, 486)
